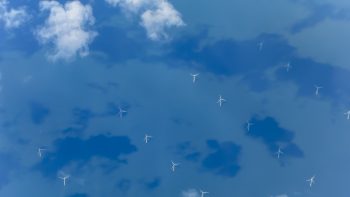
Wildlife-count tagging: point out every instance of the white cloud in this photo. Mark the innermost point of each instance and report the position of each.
(156, 21)
(68, 28)
(156, 15)
(12, 18)
(190, 193)
(131, 5)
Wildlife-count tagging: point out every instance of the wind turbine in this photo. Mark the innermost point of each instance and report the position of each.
(121, 112)
(203, 193)
(311, 180)
(147, 138)
(288, 66)
(279, 153)
(173, 165)
(260, 45)
(194, 77)
(249, 124)
(347, 114)
(221, 100)
(64, 178)
(317, 90)
(40, 151)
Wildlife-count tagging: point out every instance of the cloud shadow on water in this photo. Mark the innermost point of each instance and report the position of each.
(78, 195)
(7, 165)
(38, 112)
(73, 149)
(223, 159)
(124, 185)
(229, 57)
(274, 137)
(81, 120)
(153, 184)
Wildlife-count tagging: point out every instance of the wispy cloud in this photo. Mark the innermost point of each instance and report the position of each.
(190, 193)
(67, 29)
(11, 17)
(282, 195)
(156, 15)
